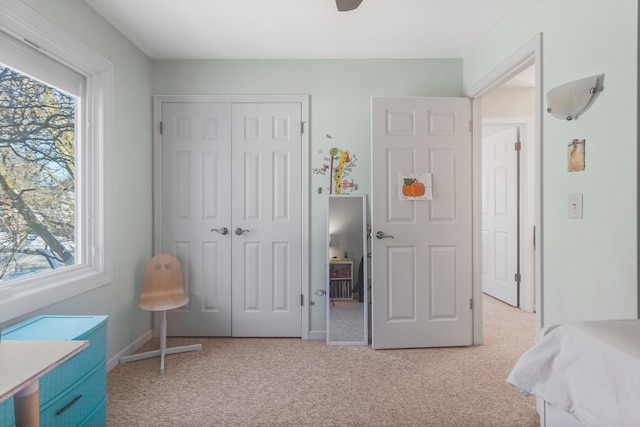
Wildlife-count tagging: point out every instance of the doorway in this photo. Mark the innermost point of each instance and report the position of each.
(528, 57)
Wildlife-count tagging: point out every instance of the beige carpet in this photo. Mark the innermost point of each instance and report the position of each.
(291, 382)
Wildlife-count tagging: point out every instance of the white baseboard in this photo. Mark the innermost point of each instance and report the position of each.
(318, 335)
(130, 349)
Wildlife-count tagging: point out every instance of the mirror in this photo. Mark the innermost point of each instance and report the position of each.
(347, 299)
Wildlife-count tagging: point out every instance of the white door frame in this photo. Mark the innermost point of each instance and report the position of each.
(527, 55)
(157, 175)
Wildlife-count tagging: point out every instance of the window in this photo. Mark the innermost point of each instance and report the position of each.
(55, 191)
(37, 176)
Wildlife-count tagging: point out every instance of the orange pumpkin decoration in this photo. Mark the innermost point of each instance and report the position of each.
(413, 188)
(406, 188)
(417, 189)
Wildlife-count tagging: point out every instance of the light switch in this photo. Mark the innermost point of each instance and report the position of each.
(575, 205)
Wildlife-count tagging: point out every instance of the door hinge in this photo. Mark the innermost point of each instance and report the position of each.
(160, 128)
(470, 303)
(302, 300)
(470, 125)
(301, 128)
(518, 146)
(517, 277)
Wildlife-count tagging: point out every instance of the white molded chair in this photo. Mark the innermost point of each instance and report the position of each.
(162, 290)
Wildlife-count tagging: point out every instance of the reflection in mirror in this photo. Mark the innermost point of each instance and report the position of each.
(347, 299)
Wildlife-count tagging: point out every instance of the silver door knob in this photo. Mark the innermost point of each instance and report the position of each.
(223, 230)
(239, 231)
(381, 235)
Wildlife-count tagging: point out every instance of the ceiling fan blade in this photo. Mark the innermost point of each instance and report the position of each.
(346, 5)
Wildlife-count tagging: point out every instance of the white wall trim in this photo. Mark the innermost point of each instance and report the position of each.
(25, 24)
(130, 349)
(529, 54)
(519, 61)
(318, 335)
(476, 239)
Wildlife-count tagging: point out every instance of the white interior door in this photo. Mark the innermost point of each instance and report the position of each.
(267, 225)
(196, 199)
(499, 215)
(422, 264)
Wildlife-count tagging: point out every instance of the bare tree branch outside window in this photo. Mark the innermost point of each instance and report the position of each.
(37, 176)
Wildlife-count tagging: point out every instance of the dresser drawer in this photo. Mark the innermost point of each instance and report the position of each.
(98, 417)
(77, 404)
(92, 328)
(92, 405)
(70, 374)
(7, 414)
(56, 381)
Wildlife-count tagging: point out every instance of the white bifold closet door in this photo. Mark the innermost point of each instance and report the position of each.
(231, 212)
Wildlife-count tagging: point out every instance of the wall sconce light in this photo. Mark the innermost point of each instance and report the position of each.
(571, 99)
(347, 5)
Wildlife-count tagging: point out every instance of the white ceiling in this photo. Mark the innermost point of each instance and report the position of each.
(215, 29)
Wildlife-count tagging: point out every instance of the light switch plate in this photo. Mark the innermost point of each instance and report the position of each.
(575, 205)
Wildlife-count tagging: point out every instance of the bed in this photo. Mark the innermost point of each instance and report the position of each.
(586, 374)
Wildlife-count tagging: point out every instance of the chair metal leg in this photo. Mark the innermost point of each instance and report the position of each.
(163, 340)
(163, 347)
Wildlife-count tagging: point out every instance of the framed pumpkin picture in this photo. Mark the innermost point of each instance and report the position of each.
(415, 186)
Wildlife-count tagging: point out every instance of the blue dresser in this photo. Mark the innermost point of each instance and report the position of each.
(75, 393)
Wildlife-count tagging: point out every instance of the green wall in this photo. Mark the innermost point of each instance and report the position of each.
(590, 265)
(340, 106)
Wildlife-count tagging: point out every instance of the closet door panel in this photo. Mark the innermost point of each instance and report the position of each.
(267, 152)
(196, 200)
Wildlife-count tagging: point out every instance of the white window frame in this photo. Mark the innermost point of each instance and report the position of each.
(94, 164)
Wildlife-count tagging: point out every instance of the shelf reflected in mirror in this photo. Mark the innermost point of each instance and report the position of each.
(346, 273)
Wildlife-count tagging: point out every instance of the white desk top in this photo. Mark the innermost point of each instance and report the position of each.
(22, 362)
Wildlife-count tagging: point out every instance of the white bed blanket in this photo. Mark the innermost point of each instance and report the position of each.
(589, 369)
